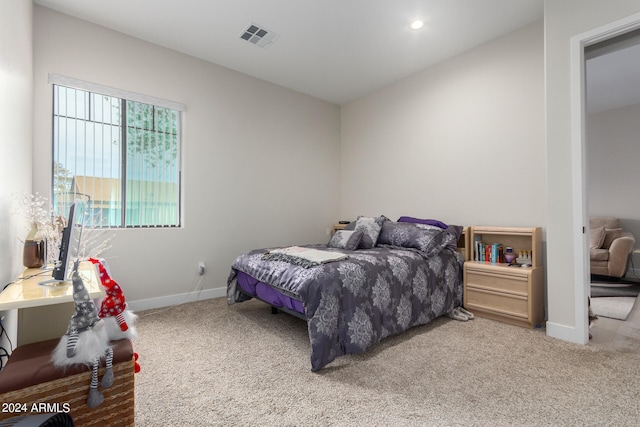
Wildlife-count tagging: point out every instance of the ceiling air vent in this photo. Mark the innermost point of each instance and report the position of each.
(259, 36)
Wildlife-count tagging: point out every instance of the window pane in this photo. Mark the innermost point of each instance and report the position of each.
(84, 158)
(91, 158)
(152, 166)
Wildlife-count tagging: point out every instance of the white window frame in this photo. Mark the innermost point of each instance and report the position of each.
(69, 82)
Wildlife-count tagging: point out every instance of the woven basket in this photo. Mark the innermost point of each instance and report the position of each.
(73, 390)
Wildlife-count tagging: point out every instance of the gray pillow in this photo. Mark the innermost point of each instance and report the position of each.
(370, 228)
(428, 239)
(346, 239)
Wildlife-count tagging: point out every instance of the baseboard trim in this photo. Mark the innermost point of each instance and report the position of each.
(177, 299)
(565, 333)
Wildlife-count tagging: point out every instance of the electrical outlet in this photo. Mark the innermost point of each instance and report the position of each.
(201, 268)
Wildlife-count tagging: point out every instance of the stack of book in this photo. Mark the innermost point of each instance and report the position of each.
(488, 252)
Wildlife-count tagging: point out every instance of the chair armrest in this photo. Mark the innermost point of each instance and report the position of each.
(623, 244)
(619, 254)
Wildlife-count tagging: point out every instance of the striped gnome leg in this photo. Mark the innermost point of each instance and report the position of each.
(95, 397)
(72, 342)
(107, 378)
(122, 322)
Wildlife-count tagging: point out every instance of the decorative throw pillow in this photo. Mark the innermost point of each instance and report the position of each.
(611, 234)
(428, 239)
(346, 239)
(370, 228)
(597, 237)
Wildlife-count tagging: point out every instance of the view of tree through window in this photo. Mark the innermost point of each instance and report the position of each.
(121, 156)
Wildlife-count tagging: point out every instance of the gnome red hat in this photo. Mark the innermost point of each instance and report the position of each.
(113, 304)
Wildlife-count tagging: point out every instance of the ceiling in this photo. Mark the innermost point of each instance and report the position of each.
(340, 50)
(335, 50)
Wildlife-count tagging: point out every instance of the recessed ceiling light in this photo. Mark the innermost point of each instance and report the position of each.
(417, 24)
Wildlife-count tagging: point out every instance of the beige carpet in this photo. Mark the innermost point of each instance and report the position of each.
(206, 364)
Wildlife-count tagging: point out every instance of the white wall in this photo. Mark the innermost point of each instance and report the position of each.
(613, 151)
(261, 162)
(16, 122)
(565, 19)
(469, 122)
(462, 141)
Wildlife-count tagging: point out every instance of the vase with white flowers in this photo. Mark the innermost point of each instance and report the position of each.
(42, 243)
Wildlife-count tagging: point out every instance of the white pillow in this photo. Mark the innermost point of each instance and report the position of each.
(370, 228)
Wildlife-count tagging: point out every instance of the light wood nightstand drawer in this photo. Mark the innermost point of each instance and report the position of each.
(515, 282)
(500, 303)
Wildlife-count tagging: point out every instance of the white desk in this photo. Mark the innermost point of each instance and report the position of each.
(44, 311)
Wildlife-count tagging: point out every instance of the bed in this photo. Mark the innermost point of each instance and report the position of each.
(375, 279)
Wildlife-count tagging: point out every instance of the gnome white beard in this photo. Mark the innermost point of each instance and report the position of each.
(114, 332)
(92, 344)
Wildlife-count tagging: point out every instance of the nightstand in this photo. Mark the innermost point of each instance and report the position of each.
(337, 227)
(510, 294)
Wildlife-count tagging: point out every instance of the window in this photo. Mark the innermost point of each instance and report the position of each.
(121, 154)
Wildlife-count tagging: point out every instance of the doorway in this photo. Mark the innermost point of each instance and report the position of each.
(613, 37)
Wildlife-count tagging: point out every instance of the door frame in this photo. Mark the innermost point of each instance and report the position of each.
(579, 162)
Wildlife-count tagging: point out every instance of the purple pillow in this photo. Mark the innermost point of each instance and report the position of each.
(433, 222)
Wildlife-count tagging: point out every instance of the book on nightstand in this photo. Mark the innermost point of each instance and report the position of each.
(489, 253)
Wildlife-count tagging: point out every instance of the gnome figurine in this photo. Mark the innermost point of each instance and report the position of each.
(119, 320)
(86, 340)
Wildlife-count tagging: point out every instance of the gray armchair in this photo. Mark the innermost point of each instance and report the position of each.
(610, 246)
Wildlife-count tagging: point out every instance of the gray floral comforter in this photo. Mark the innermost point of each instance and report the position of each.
(354, 303)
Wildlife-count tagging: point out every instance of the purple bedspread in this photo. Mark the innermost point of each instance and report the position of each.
(355, 303)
